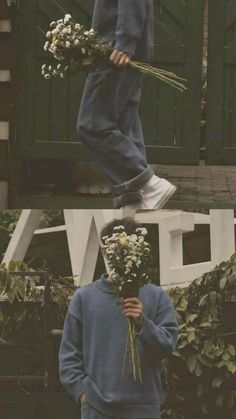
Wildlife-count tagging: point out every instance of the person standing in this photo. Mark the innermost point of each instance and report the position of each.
(93, 342)
(108, 123)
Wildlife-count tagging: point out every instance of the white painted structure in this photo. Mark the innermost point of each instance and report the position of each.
(83, 226)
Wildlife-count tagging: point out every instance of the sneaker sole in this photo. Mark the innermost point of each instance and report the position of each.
(166, 197)
(160, 204)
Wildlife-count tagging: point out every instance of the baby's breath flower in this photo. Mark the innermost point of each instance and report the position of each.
(67, 18)
(53, 24)
(46, 46)
(119, 228)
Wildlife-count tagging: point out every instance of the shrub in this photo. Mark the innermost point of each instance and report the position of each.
(200, 376)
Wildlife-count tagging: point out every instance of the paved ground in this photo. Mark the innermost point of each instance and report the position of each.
(198, 187)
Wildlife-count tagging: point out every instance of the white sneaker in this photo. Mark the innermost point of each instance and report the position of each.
(156, 192)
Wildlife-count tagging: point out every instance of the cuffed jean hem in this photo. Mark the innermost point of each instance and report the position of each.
(134, 184)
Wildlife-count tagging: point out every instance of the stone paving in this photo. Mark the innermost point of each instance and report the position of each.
(198, 187)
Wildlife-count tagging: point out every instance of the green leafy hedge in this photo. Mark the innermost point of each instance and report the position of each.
(200, 376)
(26, 298)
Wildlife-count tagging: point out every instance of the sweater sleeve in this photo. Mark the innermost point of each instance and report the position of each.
(161, 333)
(130, 24)
(71, 368)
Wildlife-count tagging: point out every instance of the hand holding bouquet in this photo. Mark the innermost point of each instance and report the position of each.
(129, 260)
(73, 47)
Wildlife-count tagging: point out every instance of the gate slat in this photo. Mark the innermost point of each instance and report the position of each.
(43, 134)
(221, 98)
(177, 8)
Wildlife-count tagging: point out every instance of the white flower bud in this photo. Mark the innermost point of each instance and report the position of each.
(48, 34)
(46, 46)
(55, 31)
(76, 42)
(67, 18)
(62, 75)
(68, 44)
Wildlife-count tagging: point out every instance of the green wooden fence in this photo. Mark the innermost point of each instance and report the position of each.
(221, 118)
(48, 110)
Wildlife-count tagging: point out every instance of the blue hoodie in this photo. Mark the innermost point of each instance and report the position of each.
(127, 24)
(93, 344)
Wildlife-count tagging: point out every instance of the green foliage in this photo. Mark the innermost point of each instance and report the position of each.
(49, 218)
(26, 297)
(9, 218)
(200, 376)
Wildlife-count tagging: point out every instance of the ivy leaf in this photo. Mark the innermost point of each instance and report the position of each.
(191, 317)
(192, 362)
(11, 294)
(216, 382)
(204, 360)
(183, 304)
(231, 350)
(190, 336)
(226, 356)
(21, 289)
(231, 366)
(223, 282)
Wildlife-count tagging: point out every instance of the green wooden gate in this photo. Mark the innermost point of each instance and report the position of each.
(221, 118)
(171, 121)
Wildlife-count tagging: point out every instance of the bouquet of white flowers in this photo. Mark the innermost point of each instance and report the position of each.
(74, 47)
(129, 260)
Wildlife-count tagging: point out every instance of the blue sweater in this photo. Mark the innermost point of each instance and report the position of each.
(127, 24)
(93, 344)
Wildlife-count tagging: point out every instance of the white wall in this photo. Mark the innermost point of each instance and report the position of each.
(83, 227)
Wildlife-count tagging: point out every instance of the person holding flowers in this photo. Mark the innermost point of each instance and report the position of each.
(116, 332)
(108, 121)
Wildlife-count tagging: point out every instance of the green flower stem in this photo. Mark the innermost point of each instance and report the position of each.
(168, 78)
(125, 355)
(131, 343)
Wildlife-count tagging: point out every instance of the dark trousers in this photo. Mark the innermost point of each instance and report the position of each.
(89, 412)
(109, 126)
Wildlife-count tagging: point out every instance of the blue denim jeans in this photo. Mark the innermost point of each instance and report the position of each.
(109, 126)
(89, 412)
